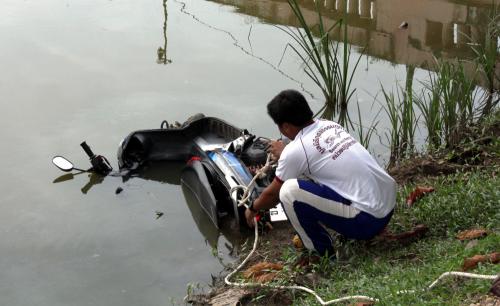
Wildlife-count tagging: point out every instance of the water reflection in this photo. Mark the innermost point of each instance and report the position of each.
(435, 28)
(162, 51)
(170, 173)
(94, 179)
(66, 177)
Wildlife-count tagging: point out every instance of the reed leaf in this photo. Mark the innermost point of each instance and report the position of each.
(322, 61)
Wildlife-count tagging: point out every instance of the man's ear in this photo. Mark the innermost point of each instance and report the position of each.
(286, 127)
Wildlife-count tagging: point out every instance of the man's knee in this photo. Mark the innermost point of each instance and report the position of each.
(288, 191)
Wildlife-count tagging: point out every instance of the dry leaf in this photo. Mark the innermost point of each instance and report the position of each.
(363, 304)
(472, 234)
(263, 271)
(297, 242)
(417, 231)
(472, 262)
(417, 194)
(265, 278)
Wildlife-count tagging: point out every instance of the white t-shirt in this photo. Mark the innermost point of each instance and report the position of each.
(326, 153)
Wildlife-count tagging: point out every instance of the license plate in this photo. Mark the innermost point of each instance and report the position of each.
(277, 213)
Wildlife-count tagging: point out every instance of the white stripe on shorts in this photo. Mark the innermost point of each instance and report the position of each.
(291, 192)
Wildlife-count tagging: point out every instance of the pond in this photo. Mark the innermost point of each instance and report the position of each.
(97, 70)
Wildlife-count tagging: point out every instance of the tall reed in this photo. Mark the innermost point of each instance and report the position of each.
(365, 133)
(401, 114)
(448, 104)
(429, 102)
(403, 123)
(326, 62)
(487, 55)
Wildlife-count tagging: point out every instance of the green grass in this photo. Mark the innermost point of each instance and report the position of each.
(461, 201)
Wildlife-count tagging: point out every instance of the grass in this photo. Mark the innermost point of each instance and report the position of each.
(461, 201)
(326, 62)
(364, 134)
(448, 103)
(401, 115)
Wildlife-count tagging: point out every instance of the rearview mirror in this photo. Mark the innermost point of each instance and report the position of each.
(62, 163)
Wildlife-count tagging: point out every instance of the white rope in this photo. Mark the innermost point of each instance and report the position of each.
(246, 189)
(312, 292)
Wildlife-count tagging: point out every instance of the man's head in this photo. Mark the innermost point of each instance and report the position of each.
(290, 111)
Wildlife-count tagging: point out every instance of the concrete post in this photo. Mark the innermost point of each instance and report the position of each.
(353, 7)
(365, 7)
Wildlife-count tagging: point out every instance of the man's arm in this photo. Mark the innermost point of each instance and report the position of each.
(267, 199)
(275, 148)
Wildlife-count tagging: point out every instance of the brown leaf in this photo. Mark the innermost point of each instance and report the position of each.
(265, 278)
(363, 304)
(416, 194)
(472, 262)
(263, 271)
(417, 231)
(472, 234)
(297, 242)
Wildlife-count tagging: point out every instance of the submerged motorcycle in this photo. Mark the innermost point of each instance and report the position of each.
(218, 159)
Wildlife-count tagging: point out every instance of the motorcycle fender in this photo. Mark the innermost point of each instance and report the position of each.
(194, 177)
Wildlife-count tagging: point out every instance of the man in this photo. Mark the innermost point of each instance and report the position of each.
(324, 177)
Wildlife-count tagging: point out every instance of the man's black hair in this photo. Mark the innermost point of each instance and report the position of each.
(290, 106)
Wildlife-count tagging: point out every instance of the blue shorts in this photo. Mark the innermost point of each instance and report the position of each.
(310, 207)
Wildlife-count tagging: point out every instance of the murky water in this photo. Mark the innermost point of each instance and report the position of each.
(91, 70)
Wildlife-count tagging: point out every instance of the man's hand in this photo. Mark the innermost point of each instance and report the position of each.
(250, 215)
(275, 148)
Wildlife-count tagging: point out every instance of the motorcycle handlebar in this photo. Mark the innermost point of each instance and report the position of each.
(87, 149)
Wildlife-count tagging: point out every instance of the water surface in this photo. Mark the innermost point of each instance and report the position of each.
(75, 71)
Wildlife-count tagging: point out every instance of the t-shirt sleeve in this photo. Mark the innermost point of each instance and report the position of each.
(292, 164)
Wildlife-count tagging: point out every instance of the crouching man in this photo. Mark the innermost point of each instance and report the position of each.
(324, 178)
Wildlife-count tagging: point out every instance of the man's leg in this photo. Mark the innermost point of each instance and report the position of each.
(309, 206)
